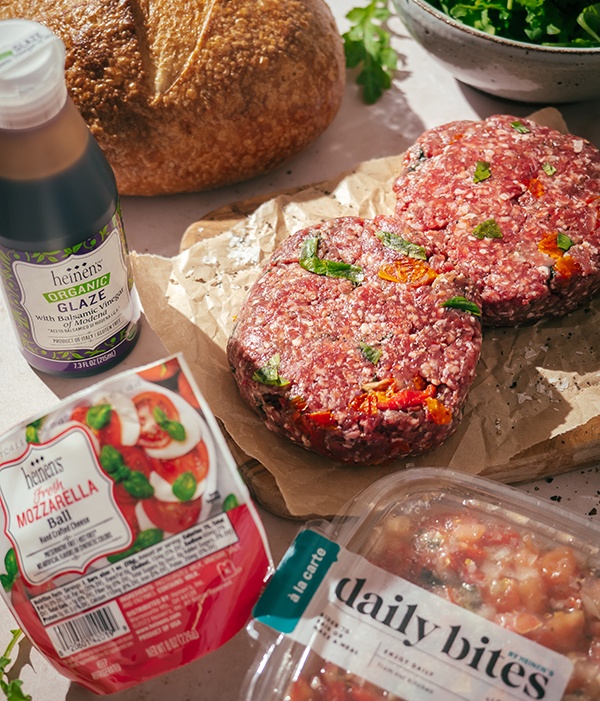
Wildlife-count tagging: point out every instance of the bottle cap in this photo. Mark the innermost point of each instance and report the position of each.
(32, 78)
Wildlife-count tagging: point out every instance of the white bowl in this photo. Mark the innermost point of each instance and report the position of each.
(502, 67)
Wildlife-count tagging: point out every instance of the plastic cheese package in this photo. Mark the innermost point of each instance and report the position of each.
(130, 544)
(434, 584)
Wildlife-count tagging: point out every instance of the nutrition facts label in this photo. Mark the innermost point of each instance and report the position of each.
(136, 570)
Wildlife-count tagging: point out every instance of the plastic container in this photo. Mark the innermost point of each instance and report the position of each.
(434, 585)
(129, 545)
(63, 255)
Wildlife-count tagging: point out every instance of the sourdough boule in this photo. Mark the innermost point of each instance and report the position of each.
(188, 95)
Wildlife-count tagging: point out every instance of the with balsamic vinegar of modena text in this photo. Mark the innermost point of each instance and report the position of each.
(64, 262)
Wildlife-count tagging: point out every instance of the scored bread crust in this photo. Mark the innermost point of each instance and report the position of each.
(188, 95)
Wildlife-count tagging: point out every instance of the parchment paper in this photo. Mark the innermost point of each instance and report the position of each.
(532, 410)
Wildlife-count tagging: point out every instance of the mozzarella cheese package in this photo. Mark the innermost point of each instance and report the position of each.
(130, 545)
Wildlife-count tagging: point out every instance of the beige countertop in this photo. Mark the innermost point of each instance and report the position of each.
(423, 95)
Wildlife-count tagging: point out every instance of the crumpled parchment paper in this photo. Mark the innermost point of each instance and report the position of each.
(531, 412)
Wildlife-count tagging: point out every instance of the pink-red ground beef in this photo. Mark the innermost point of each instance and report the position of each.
(359, 371)
(514, 206)
(502, 217)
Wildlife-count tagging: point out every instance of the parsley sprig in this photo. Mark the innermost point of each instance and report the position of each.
(11, 687)
(367, 44)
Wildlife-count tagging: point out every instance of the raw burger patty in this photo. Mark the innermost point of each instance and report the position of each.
(513, 205)
(360, 371)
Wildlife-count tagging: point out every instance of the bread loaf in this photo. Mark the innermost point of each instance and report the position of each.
(187, 95)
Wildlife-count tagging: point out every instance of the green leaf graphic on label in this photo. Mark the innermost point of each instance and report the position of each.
(32, 431)
(184, 486)
(7, 579)
(175, 429)
(137, 484)
(230, 502)
(98, 416)
(145, 539)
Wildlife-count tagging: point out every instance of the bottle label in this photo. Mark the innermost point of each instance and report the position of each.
(74, 309)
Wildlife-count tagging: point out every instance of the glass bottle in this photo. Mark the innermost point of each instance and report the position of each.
(64, 264)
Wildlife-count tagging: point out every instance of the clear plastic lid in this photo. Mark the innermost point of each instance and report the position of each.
(433, 585)
(32, 81)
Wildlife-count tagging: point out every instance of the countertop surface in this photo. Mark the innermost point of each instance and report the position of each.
(423, 95)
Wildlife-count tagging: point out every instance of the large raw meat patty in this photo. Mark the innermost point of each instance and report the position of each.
(513, 205)
(353, 345)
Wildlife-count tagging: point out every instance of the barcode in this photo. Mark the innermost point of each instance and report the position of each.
(89, 629)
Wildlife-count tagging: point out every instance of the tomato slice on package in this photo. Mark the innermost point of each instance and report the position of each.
(179, 485)
(195, 463)
(172, 516)
(156, 413)
(161, 372)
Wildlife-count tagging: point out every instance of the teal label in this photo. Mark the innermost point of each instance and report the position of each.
(299, 575)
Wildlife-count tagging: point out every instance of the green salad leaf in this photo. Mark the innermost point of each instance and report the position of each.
(546, 22)
(589, 20)
(12, 688)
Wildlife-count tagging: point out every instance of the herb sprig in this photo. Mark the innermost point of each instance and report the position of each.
(367, 44)
(12, 688)
(268, 374)
(397, 243)
(309, 260)
(546, 22)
